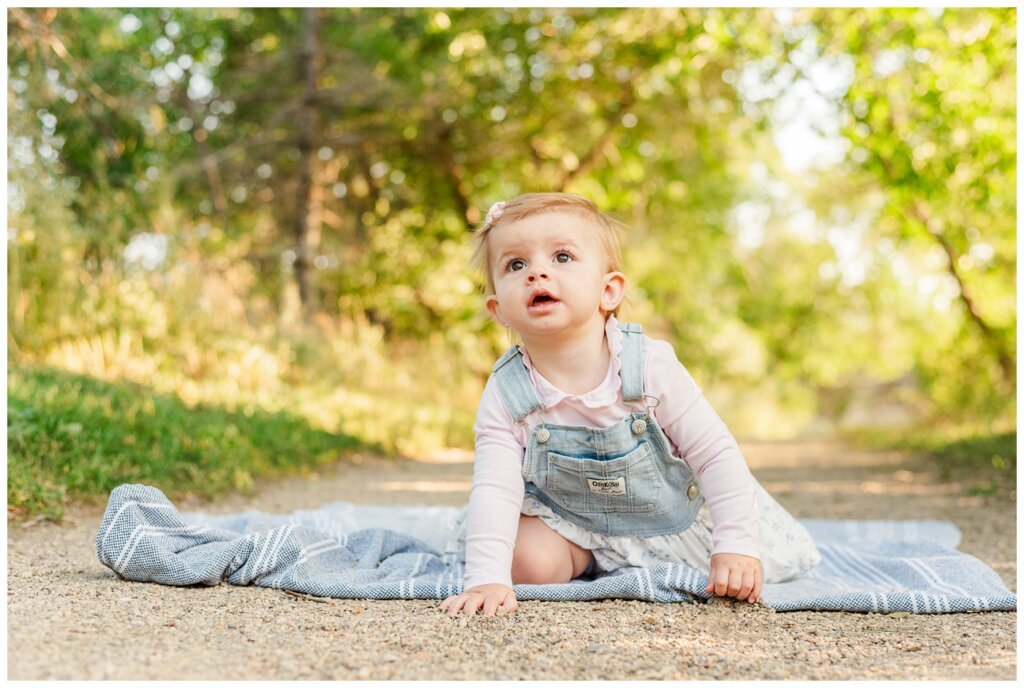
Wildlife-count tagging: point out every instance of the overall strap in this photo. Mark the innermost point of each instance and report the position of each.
(515, 385)
(632, 369)
(520, 397)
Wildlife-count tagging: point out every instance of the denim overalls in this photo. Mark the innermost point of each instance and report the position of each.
(619, 480)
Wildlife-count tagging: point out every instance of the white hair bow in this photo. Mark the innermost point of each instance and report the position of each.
(494, 214)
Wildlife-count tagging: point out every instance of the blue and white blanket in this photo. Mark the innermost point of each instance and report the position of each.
(867, 566)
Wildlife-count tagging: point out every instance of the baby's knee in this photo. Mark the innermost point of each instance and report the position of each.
(539, 567)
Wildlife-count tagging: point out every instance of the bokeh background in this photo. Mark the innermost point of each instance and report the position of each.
(238, 239)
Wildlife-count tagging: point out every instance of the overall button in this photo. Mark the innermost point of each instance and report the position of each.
(691, 492)
(638, 426)
(543, 436)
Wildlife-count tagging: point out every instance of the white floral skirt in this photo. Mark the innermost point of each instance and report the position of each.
(787, 549)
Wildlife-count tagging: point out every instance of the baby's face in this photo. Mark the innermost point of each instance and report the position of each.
(550, 275)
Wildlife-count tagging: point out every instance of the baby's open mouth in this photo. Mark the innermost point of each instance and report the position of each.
(539, 299)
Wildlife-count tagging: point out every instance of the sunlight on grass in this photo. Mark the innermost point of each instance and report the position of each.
(344, 384)
(71, 436)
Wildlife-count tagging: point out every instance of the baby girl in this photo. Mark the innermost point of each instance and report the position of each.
(595, 448)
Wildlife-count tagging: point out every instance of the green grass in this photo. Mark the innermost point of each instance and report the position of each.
(985, 463)
(991, 458)
(72, 437)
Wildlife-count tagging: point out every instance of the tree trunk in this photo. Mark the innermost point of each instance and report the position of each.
(996, 343)
(307, 212)
(207, 159)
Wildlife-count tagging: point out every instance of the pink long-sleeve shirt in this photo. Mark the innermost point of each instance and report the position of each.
(694, 431)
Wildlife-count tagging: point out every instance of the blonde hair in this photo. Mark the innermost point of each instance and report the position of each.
(608, 228)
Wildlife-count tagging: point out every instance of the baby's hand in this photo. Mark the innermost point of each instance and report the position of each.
(491, 597)
(735, 575)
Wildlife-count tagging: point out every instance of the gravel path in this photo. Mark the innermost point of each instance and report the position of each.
(69, 617)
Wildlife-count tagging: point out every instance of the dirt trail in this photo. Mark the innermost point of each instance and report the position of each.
(69, 617)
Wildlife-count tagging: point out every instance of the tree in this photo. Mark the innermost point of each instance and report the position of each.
(926, 102)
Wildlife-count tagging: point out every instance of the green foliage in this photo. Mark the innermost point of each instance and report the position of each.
(930, 116)
(74, 437)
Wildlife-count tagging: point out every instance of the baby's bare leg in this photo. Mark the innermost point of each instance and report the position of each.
(543, 556)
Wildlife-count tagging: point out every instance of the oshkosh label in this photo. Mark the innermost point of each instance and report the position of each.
(609, 486)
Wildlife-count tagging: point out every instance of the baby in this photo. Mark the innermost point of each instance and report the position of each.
(595, 448)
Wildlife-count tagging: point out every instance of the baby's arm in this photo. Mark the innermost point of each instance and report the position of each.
(493, 517)
(707, 446)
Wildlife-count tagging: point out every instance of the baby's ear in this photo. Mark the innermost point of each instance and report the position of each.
(494, 308)
(614, 291)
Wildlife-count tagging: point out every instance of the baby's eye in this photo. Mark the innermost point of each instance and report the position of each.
(515, 264)
(563, 257)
